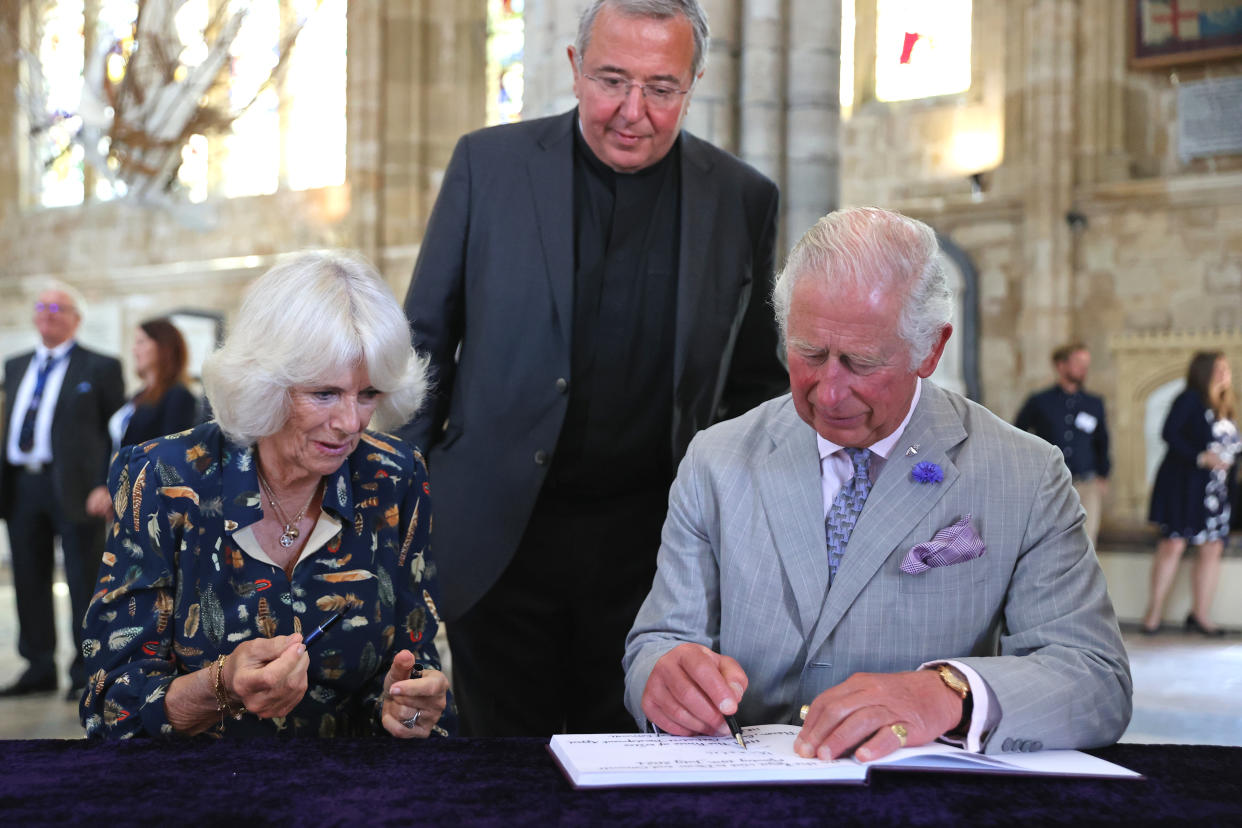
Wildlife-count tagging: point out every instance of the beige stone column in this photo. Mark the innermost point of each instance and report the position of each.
(364, 107)
(416, 86)
(1101, 152)
(14, 150)
(1044, 89)
(551, 26)
(761, 88)
(713, 112)
(810, 185)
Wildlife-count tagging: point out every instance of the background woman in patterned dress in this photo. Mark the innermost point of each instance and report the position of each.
(1190, 501)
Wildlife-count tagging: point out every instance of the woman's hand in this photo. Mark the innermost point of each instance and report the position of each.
(268, 675)
(412, 705)
(1212, 461)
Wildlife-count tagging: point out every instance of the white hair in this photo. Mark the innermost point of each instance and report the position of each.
(79, 301)
(303, 323)
(868, 247)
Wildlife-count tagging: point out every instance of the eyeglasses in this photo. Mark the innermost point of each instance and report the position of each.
(657, 95)
(53, 307)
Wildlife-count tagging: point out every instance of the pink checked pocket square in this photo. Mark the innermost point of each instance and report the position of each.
(953, 544)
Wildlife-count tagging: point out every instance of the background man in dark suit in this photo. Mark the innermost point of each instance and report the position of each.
(1073, 421)
(55, 451)
(591, 291)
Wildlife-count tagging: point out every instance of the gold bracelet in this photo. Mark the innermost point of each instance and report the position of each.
(223, 705)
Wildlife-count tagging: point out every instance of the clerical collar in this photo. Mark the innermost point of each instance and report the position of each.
(585, 151)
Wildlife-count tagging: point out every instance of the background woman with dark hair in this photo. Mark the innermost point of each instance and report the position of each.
(164, 405)
(1190, 500)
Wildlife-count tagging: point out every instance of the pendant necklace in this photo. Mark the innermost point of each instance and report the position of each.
(290, 534)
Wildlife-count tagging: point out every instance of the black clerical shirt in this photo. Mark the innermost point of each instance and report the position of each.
(617, 435)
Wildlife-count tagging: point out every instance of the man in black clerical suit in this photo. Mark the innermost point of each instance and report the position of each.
(591, 291)
(58, 399)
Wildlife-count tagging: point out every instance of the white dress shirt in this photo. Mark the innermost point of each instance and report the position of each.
(835, 470)
(42, 450)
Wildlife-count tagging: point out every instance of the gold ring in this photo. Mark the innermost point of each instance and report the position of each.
(900, 732)
(806, 708)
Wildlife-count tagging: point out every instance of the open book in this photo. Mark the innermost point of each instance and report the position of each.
(643, 759)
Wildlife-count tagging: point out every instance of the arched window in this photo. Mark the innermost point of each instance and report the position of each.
(910, 49)
(85, 143)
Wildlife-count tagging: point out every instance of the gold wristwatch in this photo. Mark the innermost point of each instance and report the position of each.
(953, 681)
(957, 683)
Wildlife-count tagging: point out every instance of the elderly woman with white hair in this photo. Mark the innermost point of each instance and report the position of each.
(239, 545)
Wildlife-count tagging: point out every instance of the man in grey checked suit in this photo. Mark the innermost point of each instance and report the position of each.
(968, 603)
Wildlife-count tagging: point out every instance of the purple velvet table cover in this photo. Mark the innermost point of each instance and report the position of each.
(515, 782)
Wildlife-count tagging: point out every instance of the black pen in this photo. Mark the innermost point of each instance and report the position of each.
(735, 730)
(318, 632)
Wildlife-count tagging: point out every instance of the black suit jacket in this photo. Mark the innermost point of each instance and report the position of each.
(92, 390)
(491, 303)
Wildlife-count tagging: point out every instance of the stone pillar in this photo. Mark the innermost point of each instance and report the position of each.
(364, 115)
(14, 150)
(713, 112)
(1101, 152)
(421, 86)
(761, 131)
(551, 26)
(810, 184)
(1046, 147)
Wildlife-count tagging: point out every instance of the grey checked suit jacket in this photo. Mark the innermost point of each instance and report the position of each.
(743, 570)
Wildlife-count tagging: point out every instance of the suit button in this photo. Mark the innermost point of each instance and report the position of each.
(1037, 745)
(562, 384)
(541, 457)
(1007, 745)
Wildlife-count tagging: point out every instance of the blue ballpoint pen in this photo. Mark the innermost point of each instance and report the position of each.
(318, 632)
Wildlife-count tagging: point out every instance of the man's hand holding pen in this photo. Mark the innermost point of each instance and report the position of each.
(692, 689)
(413, 698)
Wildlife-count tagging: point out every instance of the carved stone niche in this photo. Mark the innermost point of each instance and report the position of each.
(1150, 372)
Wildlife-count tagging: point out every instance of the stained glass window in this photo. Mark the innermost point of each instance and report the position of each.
(505, 42)
(60, 50)
(292, 134)
(922, 48)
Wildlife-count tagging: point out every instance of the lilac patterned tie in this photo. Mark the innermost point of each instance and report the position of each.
(845, 508)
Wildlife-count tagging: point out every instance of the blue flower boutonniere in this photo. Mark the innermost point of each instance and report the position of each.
(927, 473)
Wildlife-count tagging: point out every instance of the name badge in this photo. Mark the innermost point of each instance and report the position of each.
(1085, 422)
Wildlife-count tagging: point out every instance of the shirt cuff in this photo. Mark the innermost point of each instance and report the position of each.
(986, 713)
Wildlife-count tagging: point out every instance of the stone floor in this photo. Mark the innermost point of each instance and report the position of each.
(1187, 689)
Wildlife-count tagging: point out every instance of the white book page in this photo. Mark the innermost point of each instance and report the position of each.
(649, 758)
(614, 759)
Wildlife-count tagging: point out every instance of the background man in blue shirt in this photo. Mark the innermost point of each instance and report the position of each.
(1073, 421)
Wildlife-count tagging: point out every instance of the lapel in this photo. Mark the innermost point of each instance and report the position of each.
(14, 374)
(700, 194)
(551, 170)
(75, 372)
(787, 478)
(897, 503)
